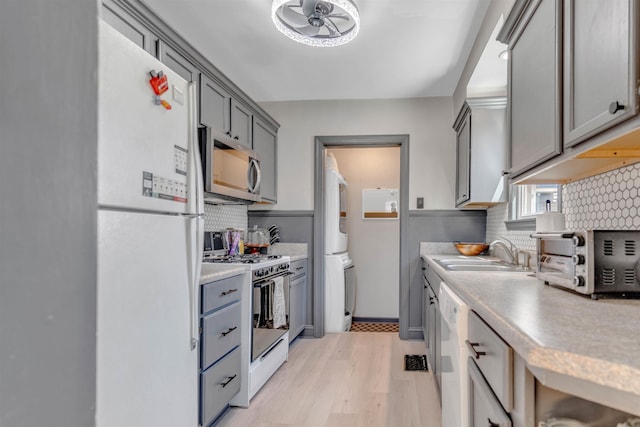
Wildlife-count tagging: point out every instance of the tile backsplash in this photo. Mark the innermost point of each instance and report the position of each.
(609, 201)
(219, 217)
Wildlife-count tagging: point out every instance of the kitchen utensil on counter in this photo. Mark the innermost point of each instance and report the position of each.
(274, 233)
(233, 239)
(257, 240)
(471, 249)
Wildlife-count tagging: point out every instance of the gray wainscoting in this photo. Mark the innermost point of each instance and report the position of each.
(427, 225)
(435, 226)
(295, 227)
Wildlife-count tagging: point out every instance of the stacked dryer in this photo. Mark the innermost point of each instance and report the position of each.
(339, 271)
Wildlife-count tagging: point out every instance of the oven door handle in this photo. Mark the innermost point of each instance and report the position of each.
(265, 282)
(559, 235)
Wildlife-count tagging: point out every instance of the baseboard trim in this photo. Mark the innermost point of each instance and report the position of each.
(376, 319)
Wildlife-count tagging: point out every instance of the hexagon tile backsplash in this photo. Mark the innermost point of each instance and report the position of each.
(609, 201)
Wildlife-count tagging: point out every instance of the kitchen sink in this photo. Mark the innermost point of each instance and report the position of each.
(476, 264)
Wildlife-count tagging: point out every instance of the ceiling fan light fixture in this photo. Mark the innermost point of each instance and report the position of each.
(325, 23)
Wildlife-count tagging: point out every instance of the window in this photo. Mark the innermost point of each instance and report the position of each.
(529, 200)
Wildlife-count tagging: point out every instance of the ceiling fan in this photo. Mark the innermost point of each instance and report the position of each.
(317, 22)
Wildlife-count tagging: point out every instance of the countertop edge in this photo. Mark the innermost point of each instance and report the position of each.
(592, 378)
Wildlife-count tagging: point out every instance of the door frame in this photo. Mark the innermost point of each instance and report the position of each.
(362, 141)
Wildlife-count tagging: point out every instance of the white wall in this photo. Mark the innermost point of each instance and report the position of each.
(427, 121)
(374, 244)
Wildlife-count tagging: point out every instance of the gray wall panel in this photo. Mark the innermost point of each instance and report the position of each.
(48, 156)
(436, 226)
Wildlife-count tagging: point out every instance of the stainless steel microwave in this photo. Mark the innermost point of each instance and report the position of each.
(231, 170)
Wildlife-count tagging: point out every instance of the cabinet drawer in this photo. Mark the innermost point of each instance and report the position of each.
(494, 357)
(484, 408)
(221, 292)
(298, 268)
(220, 333)
(219, 384)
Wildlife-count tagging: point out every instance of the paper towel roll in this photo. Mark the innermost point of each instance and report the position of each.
(550, 221)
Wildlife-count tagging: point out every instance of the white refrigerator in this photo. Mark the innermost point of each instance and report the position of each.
(150, 231)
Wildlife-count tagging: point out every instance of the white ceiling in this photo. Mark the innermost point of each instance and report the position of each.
(405, 48)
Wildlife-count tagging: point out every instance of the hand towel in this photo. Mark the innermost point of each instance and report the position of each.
(279, 312)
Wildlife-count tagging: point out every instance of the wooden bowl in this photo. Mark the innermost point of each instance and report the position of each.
(471, 249)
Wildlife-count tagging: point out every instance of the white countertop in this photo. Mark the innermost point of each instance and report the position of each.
(212, 272)
(589, 348)
(295, 251)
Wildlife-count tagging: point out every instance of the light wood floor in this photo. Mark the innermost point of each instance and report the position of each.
(355, 379)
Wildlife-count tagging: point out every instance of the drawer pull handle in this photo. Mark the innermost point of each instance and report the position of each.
(230, 291)
(224, 384)
(492, 424)
(228, 331)
(299, 268)
(472, 349)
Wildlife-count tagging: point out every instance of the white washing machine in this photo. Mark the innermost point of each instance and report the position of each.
(339, 271)
(339, 292)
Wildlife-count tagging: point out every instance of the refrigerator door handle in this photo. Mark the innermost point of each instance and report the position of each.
(195, 179)
(196, 248)
(196, 223)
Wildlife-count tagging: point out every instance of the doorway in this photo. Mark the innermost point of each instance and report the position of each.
(323, 143)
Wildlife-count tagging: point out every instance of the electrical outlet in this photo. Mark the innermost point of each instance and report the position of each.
(420, 202)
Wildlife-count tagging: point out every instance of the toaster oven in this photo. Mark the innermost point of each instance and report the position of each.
(591, 262)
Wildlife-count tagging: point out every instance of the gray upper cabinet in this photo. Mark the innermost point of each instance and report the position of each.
(600, 63)
(219, 111)
(177, 62)
(463, 150)
(115, 16)
(265, 144)
(481, 152)
(241, 121)
(535, 86)
(215, 105)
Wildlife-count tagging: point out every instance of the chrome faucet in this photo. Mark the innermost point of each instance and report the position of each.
(510, 251)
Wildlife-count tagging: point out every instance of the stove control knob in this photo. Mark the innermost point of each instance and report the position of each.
(577, 259)
(578, 240)
(578, 281)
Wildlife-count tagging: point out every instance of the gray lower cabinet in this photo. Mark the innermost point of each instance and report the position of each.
(220, 332)
(535, 86)
(484, 408)
(122, 21)
(265, 144)
(490, 375)
(297, 298)
(600, 66)
(434, 337)
(425, 304)
(218, 386)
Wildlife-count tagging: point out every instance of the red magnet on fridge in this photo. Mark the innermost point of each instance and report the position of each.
(158, 82)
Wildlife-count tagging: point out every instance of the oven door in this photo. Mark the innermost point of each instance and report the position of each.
(269, 313)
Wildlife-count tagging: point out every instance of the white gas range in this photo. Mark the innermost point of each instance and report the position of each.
(265, 345)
